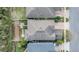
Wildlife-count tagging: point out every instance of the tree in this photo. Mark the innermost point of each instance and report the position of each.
(59, 19)
(6, 35)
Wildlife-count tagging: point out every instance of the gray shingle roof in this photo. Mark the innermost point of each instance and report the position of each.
(41, 35)
(50, 30)
(40, 12)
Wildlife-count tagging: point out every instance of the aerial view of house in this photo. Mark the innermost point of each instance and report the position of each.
(34, 29)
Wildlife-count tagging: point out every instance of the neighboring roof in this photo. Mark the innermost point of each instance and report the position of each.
(41, 12)
(40, 47)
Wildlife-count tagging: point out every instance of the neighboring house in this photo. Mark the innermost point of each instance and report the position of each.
(41, 47)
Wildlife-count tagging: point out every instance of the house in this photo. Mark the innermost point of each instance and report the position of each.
(37, 20)
(41, 25)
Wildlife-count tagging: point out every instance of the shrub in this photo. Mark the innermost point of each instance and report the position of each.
(21, 45)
